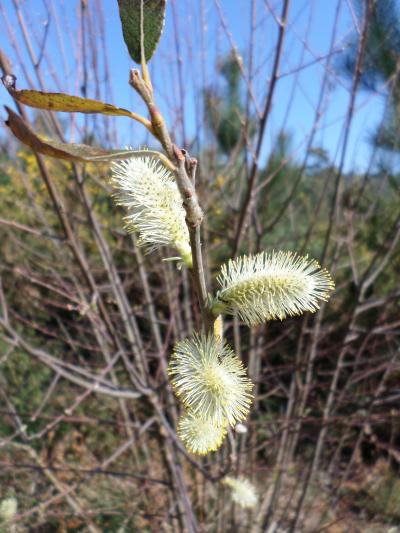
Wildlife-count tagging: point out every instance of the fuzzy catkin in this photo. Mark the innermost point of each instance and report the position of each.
(243, 491)
(210, 380)
(200, 436)
(271, 286)
(153, 203)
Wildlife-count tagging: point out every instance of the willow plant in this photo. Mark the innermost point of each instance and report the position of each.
(157, 191)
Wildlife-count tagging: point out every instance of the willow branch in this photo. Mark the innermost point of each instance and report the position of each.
(185, 168)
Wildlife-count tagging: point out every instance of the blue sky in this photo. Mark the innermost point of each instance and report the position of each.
(201, 42)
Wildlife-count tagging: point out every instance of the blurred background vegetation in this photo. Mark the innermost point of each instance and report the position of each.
(323, 439)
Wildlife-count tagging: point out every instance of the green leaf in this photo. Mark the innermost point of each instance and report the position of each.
(69, 152)
(153, 23)
(61, 101)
